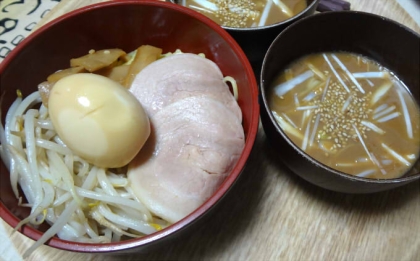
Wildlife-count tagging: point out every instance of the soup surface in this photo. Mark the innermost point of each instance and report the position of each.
(349, 113)
(246, 13)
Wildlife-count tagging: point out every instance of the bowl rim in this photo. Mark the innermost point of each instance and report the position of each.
(58, 243)
(279, 130)
(267, 27)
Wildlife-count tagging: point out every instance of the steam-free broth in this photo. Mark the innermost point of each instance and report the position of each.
(349, 113)
(246, 13)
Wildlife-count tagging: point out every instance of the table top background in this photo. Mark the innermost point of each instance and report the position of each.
(271, 214)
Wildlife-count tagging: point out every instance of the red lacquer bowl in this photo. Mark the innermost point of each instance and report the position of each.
(125, 25)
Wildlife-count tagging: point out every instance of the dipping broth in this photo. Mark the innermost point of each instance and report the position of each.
(349, 113)
(246, 13)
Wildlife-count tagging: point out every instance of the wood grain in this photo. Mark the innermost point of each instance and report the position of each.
(387, 8)
(271, 214)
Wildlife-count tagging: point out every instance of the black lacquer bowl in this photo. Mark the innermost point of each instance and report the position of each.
(256, 40)
(388, 42)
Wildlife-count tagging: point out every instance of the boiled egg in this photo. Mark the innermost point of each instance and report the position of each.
(98, 119)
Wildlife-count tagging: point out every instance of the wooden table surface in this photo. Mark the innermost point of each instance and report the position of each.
(273, 215)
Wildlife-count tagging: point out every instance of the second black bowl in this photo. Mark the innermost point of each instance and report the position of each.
(389, 43)
(255, 41)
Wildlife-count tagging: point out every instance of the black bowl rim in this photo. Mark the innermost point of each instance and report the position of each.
(316, 163)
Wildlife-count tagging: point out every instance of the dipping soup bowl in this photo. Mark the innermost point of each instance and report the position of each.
(255, 41)
(391, 44)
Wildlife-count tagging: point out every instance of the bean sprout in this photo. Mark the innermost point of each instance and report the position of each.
(81, 202)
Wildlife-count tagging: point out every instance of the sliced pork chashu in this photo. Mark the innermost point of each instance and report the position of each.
(195, 143)
(179, 76)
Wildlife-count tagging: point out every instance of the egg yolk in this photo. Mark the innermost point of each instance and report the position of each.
(98, 119)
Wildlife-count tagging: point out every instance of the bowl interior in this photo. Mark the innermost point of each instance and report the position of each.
(256, 40)
(125, 25)
(349, 31)
(354, 32)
